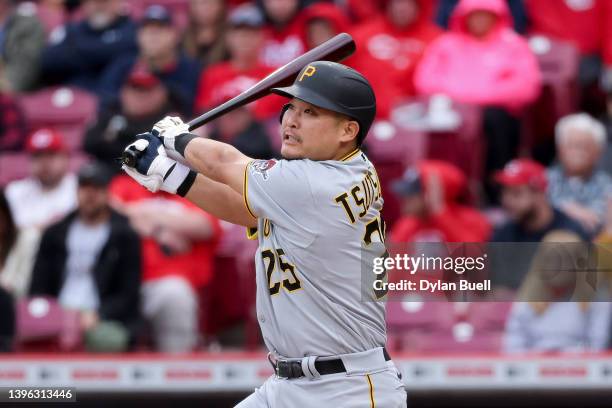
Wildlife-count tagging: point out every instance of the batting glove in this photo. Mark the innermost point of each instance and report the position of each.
(175, 135)
(155, 170)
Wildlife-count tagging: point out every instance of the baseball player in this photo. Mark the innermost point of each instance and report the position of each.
(315, 214)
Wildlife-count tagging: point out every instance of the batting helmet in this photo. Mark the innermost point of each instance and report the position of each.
(336, 87)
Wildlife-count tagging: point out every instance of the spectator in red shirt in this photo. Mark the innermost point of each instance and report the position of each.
(432, 211)
(284, 33)
(389, 47)
(322, 22)
(244, 40)
(179, 242)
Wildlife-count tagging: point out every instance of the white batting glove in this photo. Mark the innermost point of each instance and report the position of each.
(155, 170)
(175, 135)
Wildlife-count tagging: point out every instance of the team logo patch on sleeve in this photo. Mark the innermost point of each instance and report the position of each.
(261, 167)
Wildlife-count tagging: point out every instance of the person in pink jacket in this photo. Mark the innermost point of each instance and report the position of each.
(482, 61)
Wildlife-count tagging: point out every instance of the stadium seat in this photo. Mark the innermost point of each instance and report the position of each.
(489, 316)
(558, 62)
(43, 325)
(462, 146)
(68, 110)
(392, 148)
(461, 338)
(436, 325)
(419, 314)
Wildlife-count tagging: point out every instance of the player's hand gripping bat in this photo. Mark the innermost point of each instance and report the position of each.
(335, 49)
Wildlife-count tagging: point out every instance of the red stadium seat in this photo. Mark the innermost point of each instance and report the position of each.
(392, 148)
(462, 146)
(435, 325)
(419, 314)
(67, 110)
(390, 142)
(42, 324)
(461, 338)
(558, 62)
(489, 316)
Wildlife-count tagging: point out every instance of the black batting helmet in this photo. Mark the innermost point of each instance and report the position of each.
(336, 87)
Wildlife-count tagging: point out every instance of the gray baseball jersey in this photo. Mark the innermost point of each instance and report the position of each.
(314, 218)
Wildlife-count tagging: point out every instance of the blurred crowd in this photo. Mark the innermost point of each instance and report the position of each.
(494, 124)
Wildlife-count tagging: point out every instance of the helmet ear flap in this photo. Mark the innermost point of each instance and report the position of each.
(282, 112)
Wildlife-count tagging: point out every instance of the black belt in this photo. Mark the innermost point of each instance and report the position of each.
(291, 369)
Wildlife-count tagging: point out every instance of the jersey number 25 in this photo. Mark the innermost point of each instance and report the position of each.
(272, 258)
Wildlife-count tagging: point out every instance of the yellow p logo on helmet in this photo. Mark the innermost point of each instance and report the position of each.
(309, 71)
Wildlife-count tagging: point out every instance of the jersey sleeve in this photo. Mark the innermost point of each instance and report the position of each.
(280, 191)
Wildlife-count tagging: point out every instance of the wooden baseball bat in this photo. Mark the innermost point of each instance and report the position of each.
(335, 49)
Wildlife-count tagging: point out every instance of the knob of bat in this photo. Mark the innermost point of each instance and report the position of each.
(130, 157)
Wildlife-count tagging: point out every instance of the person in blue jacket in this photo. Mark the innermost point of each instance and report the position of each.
(159, 52)
(78, 52)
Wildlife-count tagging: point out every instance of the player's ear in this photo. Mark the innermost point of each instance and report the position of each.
(350, 130)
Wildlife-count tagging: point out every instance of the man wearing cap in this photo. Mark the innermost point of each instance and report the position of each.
(90, 262)
(531, 215)
(159, 53)
(50, 192)
(523, 197)
(143, 99)
(244, 38)
(316, 214)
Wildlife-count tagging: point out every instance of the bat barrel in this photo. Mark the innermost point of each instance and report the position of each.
(335, 49)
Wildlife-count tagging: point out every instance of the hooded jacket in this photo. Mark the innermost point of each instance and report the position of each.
(454, 223)
(328, 12)
(387, 55)
(497, 70)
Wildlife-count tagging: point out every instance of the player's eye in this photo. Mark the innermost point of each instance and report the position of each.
(309, 111)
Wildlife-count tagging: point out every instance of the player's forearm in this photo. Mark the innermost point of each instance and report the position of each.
(208, 157)
(221, 201)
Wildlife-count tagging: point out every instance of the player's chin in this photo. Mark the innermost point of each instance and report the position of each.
(291, 151)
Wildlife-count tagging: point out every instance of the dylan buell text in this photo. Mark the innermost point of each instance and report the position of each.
(405, 273)
(424, 285)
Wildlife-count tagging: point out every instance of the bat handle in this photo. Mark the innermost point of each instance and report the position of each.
(130, 157)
